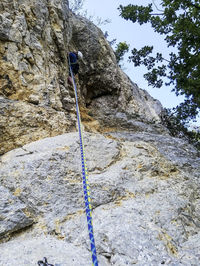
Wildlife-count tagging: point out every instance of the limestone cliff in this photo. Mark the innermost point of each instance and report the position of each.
(144, 183)
(36, 101)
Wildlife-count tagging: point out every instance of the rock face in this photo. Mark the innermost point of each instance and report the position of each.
(109, 94)
(35, 98)
(145, 199)
(12, 213)
(33, 71)
(144, 183)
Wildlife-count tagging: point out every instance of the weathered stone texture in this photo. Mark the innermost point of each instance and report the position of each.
(22, 122)
(144, 184)
(107, 90)
(145, 202)
(33, 71)
(35, 38)
(13, 213)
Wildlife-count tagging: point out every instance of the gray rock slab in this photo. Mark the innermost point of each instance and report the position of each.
(12, 213)
(176, 150)
(145, 203)
(27, 252)
(48, 172)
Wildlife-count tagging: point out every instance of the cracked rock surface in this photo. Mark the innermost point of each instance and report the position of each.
(145, 203)
(13, 216)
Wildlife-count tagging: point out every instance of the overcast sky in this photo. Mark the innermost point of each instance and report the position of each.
(137, 36)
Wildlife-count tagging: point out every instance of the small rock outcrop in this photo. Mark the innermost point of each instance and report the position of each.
(144, 183)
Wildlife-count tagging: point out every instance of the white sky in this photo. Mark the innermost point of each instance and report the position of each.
(137, 36)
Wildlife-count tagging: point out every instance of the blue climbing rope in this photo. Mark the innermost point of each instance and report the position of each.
(86, 189)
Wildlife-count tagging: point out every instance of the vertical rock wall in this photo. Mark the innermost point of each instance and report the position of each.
(33, 71)
(35, 99)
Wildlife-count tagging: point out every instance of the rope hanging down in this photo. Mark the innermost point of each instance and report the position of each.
(87, 198)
